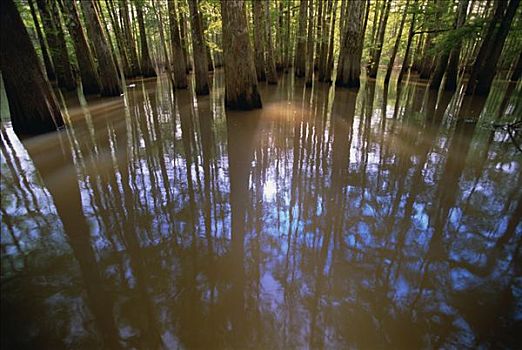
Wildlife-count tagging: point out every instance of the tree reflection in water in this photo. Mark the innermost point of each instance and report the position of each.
(326, 219)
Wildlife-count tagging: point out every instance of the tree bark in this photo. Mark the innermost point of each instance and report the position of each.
(330, 60)
(32, 104)
(323, 55)
(397, 43)
(309, 68)
(199, 52)
(271, 73)
(178, 60)
(56, 41)
(48, 64)
(349, 66)
(124, 60)
(484, 71)
(452, 69)
(110, 83)
(88, 74)
(406, 61)
(134, 66)
(259, 42)
(240, 79)
(376, 57)
(147, 70)
(300, 53)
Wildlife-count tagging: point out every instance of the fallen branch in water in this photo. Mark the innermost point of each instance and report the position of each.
(512, 129)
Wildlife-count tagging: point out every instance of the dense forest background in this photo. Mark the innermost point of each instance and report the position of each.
(450, 44)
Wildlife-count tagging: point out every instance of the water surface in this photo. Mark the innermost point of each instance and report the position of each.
(327, 219)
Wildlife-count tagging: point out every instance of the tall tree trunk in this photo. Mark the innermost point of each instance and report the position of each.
(349, 66)
(32, 104)
(110, 83)
(124, 60)
(300, 53)
(51, 75)
(406, 61)
(199, 52)
(134, 67)
(397, 43)
(88, 74)
(309, 68)
(178, 60)
(147, 70)
(330, 60)
(184, 42)
(452, 69)
(287, 37)
(259, 42)
(240, 80)
(204, 26)
(484, 71)
(321, 12)
(517, 71)
(376, 57)
(57, 46)
(271, 73)
(323, 55)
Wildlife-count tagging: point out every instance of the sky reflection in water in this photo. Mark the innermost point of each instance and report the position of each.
(315, 222)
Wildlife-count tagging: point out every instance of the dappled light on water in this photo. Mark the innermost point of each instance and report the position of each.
(327, 219)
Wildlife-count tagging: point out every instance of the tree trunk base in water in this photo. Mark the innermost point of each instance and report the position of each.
(244, 101)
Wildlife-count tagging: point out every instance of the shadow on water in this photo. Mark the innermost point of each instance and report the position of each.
(387, 217)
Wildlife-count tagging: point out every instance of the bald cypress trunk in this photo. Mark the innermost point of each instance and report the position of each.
(184, 43)
(259, 42)
(56, 42)
(309, 68)
(240, 79)
(300, 53)
(331, 44)
(124, 60)
(271, 73)
(48, 64)
(376, 56)
(110, 83)
(178, 59)
(452, 69)
(32, 104)
(349, 66)
(198, 50)
(396, 45)
(406, 61)
(134, 67)
(147, 70)
(484, 69)
(88, 74)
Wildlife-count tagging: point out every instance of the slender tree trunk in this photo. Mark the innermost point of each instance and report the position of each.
(124, 60)
(134, 66)
(184, 42)
(163, 42)
(43, 46)
(517, 71)
(452, 70)
(147, 70)
(259, 42)
(484, 71)
(349, 66)
(199, 52)
(321, 12)
(57, 46)
(88, 74)
(323, 55)
(32, 104)
(178, 60)
(309, 68)
(406, 61)
(287, 37)
(204, 25)
(330, 60)
(300, 53)
(240, 80)
(396, 46)
(110, 83)
(271, 72)
(376, 57)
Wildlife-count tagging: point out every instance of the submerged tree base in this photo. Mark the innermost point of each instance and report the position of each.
(245, 101)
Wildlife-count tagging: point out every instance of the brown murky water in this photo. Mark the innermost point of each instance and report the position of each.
(328, 219)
